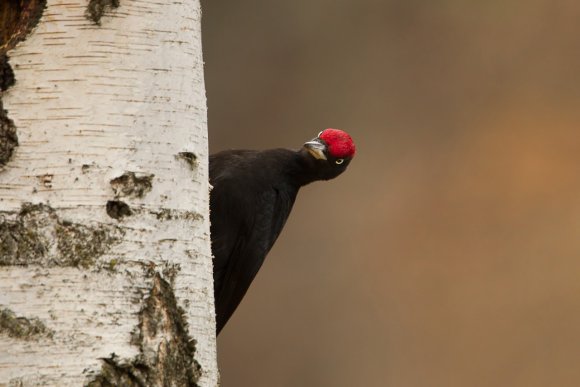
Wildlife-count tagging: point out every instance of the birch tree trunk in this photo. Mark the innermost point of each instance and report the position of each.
(105, 261)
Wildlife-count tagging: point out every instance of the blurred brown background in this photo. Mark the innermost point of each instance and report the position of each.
(449, 253)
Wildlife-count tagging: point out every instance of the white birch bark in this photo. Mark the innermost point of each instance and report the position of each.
(105, 261)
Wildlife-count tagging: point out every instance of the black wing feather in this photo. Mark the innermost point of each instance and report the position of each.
(245, 222)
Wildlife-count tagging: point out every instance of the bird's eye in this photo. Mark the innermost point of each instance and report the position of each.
(320, 133)
(339, 161)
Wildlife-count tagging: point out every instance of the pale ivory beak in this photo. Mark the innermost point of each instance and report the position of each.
(316, 148)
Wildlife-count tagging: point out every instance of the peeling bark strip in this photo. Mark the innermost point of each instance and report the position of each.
(21, 327)
(128, 184)
(167, 351)
(97, 8)
(36, 236)
(8, 137)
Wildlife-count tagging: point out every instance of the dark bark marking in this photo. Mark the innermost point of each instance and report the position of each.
(17, 19)
(170, 214)
(6, 74)
(129, 184)
(97, 8)
(166, 350)
(37, 236)
(189, 157)
(8, 137)
(46, 180)
(21, 327)
(115, 372)
(117, 209)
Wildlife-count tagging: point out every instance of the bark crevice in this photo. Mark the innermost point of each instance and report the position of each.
(167, 351)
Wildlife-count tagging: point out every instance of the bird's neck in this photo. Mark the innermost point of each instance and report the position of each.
(302, 168)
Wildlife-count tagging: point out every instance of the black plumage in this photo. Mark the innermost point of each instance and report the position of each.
(252, 195)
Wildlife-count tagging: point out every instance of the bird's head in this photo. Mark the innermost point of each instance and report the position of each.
(331, 152)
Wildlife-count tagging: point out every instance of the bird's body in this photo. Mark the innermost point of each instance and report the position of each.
(252, 195)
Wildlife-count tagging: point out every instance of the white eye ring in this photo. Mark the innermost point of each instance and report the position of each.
(320, 133)
(339, 161)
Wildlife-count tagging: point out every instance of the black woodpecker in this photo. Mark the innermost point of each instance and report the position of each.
(252, 195)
